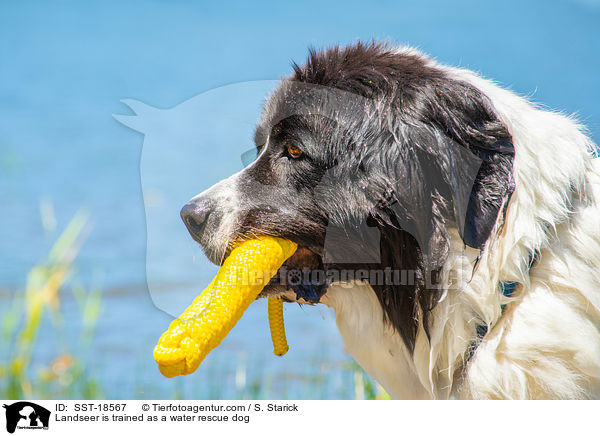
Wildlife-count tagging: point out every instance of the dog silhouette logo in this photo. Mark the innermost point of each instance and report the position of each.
(26, 415)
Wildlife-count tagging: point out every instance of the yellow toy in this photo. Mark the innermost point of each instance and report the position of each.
(212, 315)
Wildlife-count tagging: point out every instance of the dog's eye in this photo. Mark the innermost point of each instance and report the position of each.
(294, 151)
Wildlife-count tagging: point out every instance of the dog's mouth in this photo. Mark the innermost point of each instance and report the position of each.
(302, 278)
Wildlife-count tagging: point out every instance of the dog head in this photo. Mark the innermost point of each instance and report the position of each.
(367, 158)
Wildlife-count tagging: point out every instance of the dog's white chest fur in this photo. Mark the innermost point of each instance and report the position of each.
(373, 344)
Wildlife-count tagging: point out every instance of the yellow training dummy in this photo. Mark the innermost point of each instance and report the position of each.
(212, 315)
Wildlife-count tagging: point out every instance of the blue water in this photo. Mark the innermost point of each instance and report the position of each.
(65, 66)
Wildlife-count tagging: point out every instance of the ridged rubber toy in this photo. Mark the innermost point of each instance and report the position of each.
(212, 315)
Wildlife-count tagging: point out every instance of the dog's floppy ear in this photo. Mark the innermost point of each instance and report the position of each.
(444, 171)
(492, 187)
(464, 115)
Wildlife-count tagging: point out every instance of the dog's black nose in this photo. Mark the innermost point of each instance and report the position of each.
(195, 215)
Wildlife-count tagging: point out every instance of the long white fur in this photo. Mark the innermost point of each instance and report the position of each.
(546, 341)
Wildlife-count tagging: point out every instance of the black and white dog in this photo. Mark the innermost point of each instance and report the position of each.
(453, 226)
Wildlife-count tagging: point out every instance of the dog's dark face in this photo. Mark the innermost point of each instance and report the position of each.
(367, 159)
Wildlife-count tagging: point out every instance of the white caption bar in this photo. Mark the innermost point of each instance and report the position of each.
(285, 418)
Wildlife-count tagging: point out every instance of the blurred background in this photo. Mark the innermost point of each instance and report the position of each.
(78, 317)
